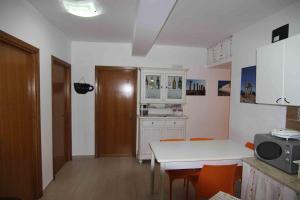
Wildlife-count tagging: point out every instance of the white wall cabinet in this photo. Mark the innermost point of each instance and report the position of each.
(277, 76)
(154, 129)
(163, 86)
(220, 53)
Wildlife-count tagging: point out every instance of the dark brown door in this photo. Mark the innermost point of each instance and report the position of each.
(115, 115)
(61, 113)
(20, 161)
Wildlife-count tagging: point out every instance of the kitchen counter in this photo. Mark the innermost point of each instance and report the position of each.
(162, 116)
(291, 181)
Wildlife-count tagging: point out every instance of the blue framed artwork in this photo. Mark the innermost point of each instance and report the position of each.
(224, 88)
(195, 87)
(248, 85)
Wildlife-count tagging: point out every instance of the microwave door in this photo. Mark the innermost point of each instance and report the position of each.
(269, 150)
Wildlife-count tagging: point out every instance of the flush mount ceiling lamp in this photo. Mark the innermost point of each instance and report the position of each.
(82, 8)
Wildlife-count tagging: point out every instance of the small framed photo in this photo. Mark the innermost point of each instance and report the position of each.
(248, 85)
(195, 87)
(224, 88)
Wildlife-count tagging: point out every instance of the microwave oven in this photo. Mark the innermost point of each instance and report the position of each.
(277, 151)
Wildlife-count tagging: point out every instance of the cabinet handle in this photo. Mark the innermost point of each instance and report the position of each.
(174, 122)
(161, 87)
(152, 122)
(278, 100)
(286, 100)
(166, 87)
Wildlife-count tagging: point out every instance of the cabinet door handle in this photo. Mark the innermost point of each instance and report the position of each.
(286, 100)
(152, 122)
(166, 87)
(161, 87)
(278, 100)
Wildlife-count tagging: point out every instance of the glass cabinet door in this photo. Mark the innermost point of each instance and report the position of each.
(175, 86)
(153, 86)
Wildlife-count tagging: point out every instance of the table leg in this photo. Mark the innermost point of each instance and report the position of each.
(152, 174)
(162, 183)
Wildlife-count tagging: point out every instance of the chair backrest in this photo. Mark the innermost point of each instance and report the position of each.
(249, 145)
(172, 140)
(215, 178)
(200, 139)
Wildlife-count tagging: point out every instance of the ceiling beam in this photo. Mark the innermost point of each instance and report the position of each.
(150, 19)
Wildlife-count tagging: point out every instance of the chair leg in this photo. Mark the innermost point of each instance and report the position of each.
(197, 196)
(171, 184)
(187, 189)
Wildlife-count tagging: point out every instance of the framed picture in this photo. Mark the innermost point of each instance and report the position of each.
(195, 87)
(248, 85)
(224, 88)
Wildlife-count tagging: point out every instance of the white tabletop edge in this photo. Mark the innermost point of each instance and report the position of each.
(235, 151)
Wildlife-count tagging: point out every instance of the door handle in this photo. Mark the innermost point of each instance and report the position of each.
(278, 100)
(286, 100)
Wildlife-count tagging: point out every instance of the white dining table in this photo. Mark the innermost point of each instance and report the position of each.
(194, 154)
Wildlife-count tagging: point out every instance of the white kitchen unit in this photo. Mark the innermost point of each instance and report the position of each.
(262, 181)
(163, 86)
(220, 54)
(277, 75)
(155, 128)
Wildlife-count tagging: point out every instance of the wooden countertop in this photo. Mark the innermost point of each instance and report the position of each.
(291, 181)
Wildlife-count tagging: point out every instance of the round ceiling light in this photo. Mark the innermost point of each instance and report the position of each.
(82, 8)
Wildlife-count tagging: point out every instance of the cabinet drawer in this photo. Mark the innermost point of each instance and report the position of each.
(175, 123)
(172, 133)
(153, 123)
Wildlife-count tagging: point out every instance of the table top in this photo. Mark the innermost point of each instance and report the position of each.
(189, 151)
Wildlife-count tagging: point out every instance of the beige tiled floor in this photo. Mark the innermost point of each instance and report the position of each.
(86, 178)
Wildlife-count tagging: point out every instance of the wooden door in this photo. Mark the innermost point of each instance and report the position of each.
(20, 156)
(115, 111)
(61, 113)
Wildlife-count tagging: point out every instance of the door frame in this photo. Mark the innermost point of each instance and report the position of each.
(98, 93)
(35, 90)
(68, 109)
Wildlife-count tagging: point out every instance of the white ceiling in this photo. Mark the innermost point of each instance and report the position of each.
(198, 23)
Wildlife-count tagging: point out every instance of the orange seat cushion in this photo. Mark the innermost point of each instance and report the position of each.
(200, 139)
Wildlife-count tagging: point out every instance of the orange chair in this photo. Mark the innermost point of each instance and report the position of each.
(179, 173)
(249, 145)
(239, 170)
(172, 140)
(200, 139)
(212, 179)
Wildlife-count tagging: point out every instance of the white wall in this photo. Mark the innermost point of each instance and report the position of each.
(20, 19)
(248, 119)
(208, 116)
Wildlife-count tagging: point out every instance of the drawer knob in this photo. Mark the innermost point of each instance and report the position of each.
(174, 122)
(152, 122)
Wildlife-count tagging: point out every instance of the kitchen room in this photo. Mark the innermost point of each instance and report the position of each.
(78, 42)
